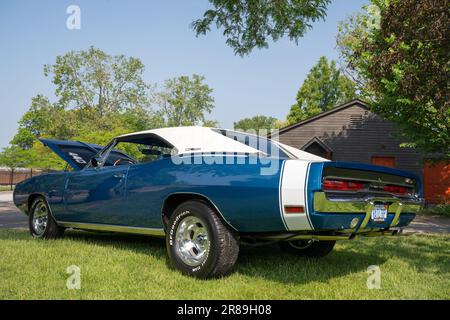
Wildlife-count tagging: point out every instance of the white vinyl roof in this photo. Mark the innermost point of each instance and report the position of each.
(197, 139)
(207, 140)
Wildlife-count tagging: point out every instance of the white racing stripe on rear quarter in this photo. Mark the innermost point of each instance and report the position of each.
(293, 185)
(280, 195)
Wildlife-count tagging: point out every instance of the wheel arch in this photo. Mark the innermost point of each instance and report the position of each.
(175, 199)
(32, 197)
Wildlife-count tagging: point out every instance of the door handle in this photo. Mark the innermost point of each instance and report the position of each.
(118, 176)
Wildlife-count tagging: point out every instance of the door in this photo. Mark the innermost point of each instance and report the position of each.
(97, 195)
(436, 181)
(384, 161)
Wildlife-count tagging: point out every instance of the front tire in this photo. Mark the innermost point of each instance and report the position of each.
(308, 248)
(199, 244)
(41, 222)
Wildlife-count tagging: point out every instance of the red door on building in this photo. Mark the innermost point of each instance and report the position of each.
(384, 161)
(436, 182)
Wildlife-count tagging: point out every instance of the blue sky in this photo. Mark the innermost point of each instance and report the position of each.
(33, 33)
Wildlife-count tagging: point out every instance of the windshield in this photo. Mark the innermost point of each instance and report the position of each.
(132, 150)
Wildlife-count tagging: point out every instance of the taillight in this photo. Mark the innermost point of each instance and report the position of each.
(395, 189)
(342, 185)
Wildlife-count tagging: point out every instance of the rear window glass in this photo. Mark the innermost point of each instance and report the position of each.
(262, 144)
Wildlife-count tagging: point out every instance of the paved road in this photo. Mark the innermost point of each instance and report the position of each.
(11, 217)
(429, 224)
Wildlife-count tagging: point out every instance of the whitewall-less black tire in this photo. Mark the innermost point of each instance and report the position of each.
(199, 244)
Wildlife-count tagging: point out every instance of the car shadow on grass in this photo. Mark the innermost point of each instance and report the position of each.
(275, 265)
(261, 262)
(422, 253)
(133, 243)
(272, 264)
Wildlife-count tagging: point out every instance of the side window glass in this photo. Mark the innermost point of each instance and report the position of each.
(127, 153)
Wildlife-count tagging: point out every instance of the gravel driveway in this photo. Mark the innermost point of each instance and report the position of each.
(11, 217)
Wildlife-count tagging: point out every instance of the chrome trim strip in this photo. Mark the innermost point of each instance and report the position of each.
(112, 228)
(367, 198)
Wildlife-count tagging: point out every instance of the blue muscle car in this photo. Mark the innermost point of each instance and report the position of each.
(208, 190)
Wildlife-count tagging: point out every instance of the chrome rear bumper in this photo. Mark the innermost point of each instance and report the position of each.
(397, 206)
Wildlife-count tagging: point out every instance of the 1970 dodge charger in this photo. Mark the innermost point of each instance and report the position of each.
(208, 190)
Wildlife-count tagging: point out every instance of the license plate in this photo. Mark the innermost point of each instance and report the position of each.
(379, 213)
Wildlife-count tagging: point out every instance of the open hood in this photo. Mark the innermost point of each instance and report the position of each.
(77, 154)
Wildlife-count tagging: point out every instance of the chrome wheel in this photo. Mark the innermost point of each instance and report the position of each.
(40, 218)
(192, 241)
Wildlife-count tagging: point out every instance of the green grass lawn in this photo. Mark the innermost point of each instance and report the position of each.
(131, 267)
(5, 188)
(437, 210)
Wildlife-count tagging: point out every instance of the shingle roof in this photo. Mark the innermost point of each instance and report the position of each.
(326, 113)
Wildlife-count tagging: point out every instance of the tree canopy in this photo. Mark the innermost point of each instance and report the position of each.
(94, 79)
(185, 101)
(400, 52)
(257, 123)
(13, 157)
(325, 87)
(252, 24)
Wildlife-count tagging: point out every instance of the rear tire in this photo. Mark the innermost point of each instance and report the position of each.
(199, 244)
(308, 248)
(41, 222)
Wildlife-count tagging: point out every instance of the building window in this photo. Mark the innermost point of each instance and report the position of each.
(384, 161)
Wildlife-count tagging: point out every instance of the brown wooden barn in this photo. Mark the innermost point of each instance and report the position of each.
(351, 132)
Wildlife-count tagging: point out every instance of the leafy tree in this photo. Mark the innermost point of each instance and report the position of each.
(94, 79)
(94, 91)
(325, 87)
(97, 95)
(256, 123)
(400, 52)
(40, 157)
(185, 101)
(139, 119)
(211, 123)
(13, 157)
(252, 24)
